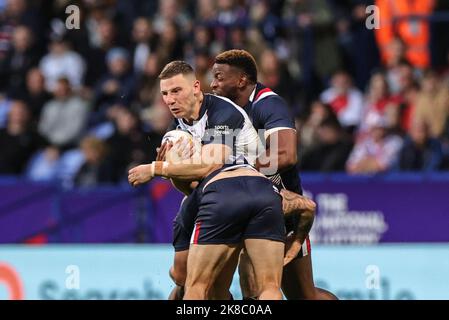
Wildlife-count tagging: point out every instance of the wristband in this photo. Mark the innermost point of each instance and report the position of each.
(159, 168)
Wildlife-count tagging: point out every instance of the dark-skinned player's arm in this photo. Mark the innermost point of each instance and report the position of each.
(281, 154)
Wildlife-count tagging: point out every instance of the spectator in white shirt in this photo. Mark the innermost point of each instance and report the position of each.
(61, 62)
(345, 99)
(377, 152)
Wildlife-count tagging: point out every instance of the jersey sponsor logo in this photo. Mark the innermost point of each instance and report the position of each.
(221, 130)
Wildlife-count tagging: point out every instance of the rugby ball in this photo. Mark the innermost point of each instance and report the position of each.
(175, 154)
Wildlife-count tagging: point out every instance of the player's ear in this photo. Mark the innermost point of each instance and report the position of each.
(196, 87)
(243, 81)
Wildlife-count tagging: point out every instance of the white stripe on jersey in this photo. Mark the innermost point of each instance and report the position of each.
(273, 130)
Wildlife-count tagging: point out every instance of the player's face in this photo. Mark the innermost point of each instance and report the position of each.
(225, 81)
(179, 93)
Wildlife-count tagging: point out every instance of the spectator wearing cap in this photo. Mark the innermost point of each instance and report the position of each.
(115, 87)
(376, 153)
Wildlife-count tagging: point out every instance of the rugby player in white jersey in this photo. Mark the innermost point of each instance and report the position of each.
(221, 227)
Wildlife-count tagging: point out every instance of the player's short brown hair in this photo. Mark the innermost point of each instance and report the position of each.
(174, 68)
(240, 59)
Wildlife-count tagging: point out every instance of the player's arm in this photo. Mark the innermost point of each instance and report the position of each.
(280, 152)
(280, 136)
(213, 156)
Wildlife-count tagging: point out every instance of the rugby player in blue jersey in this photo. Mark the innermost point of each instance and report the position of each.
(235, 77)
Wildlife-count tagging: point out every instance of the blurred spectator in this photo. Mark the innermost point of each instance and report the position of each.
(256, 44)
(393, 64)
(22, 57)
(128, 145)
(274, 74)
(397, 18)
(237, 38)
(377, 100)
(170, 45)
(432, 103)
(331, 150)
(62, 62)
(319, 113)
(230, 13)
(17, 12)
(445, 144)
(19, 140)
(144, 43)
(34, 93)
(420, 151)
(203, 65)
(172, 11)
(64, 118)
(357, 42)
(117, 86)
(44, 165)
(378, 152)
(95, 170)
(206, 11)
(96, 53)
(157, 118)
(404, 100)
(203, 40)
(265, 20)
(148, 86)
(5, 105)
(100, 27)
(345, 100)
(316, 34)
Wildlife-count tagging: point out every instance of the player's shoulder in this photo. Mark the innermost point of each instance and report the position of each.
(265, 97)
(220, 107)
(220, 102)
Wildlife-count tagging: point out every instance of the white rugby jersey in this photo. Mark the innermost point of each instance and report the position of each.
(222, 121)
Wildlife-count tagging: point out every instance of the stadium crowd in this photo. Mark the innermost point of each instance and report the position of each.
(82, 106)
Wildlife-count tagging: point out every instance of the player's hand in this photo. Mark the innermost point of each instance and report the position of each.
(162, 150)
(184, 148)
(139, 175)
(292, 247)
(293, 203)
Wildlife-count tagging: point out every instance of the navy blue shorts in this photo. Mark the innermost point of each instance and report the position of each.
(184, 222)
(239, 208)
